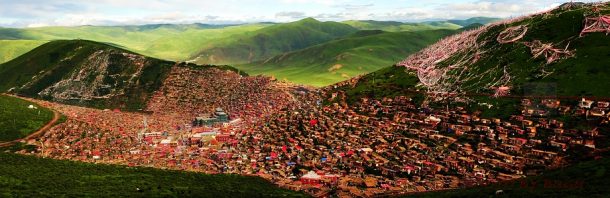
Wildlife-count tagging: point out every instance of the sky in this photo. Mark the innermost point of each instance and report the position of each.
(37, 13)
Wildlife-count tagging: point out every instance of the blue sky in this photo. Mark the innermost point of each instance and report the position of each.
(35, 13)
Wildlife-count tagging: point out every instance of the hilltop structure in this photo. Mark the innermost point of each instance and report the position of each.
(219, 117)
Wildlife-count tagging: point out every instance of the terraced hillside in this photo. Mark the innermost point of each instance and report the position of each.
(337, 60)
(85, 73)
(270, 41)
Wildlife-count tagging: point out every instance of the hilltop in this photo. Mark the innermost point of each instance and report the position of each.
(88, 73)
(164, 41)
(394, 26)
(521, 55)
(270, 41)
(549, 58)
(337, 60)
(84, 72)
(474, 20)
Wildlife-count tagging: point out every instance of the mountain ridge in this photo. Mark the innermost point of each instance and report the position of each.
(89, 73)
(334, 61)
(513, 66)
(269, 41)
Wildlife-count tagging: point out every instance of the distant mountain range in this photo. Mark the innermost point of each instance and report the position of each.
(250, 45)
(269, 41)
(361, 52)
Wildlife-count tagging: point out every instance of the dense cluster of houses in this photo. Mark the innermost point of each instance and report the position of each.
(374, 147)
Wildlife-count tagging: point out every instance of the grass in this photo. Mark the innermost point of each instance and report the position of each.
(581, 75)
(170, 42)
(328, 44)
(57, 60)
(387, 82)
(340, 59)
(10, 49)
(18, 121)
(474, 20)
(270, 41)
(54, 61)
(393, 26)
(28, 176)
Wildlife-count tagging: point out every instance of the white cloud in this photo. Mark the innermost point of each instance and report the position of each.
(25, 13)
(290, 15)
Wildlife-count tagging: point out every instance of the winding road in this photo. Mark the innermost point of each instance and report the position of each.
(36, 134)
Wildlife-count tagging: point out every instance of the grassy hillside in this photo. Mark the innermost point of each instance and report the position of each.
(582, 74)
(393, 26)
(586, 179)
(386, 82)
(187, 43)
(84, 73)
(10, 49)
(340, 59)
(17, 120)
(165, 41)
(270, 41)
(27, 176)
(474, 20)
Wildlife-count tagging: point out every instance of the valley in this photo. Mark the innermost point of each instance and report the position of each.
(251, 46)
(490, 107)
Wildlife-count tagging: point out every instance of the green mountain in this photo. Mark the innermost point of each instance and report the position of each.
(10, 49)
(337, 60)
(165, 41)
(393, 26)
(475, 20)
(85, 73)
(550, 59)
(270, 41)
(386, 82)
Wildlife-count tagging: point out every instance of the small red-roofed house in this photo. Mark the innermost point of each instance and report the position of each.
(311, 178)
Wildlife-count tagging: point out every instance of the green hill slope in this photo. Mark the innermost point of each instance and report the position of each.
(475, 62)
(270, 41)
(84, 73)
(28, 176)
(386, 82)
(10, 49)
(337, 60)
(17, 120)
(474, 20)
(165, 41)
(393, 26)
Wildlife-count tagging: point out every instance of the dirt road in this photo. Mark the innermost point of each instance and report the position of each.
(36, 134)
